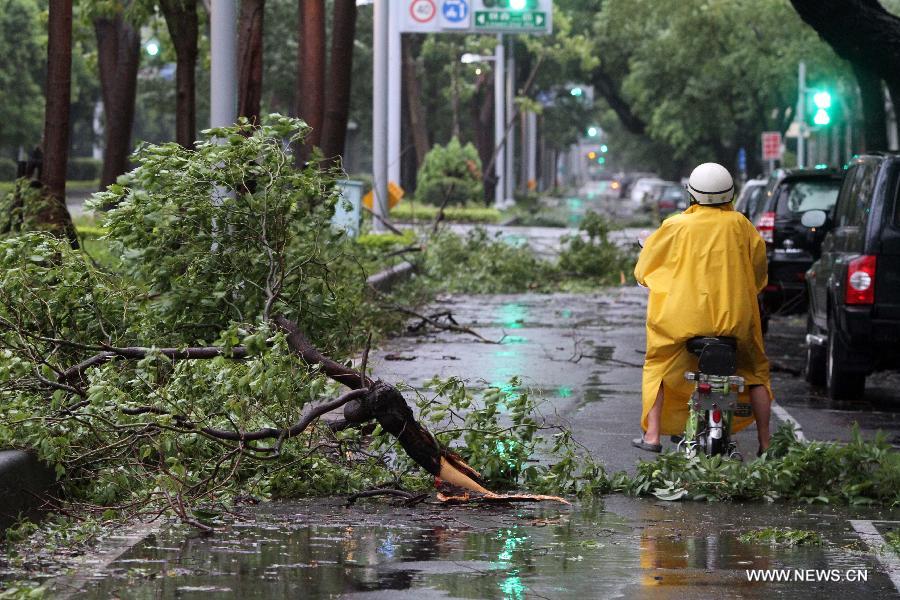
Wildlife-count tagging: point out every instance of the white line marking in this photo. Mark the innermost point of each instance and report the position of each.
(883, 553)
(785, 416)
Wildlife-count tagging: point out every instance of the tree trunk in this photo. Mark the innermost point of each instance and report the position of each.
(874, 119)
(182, 22)
(340, 74)
(250, 58)
(414, 101)
(53, 213)
(311, 71)
(482, 114)
(118, 56)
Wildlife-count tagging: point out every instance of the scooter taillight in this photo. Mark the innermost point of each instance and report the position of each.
(704, 388)
(717, 416)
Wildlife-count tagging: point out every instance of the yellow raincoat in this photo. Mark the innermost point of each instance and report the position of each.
(704, 269)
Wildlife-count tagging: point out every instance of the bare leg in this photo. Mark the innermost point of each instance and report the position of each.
(762, 410)
(653, 418)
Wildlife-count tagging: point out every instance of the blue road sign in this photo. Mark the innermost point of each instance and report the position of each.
(455, 11)
(742, 159)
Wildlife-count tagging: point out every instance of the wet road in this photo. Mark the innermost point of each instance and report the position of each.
(622, 548)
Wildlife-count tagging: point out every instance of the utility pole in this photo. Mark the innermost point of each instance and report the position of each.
(510, 144)
(499, 121)
(395, 65)
(380, 115)
(801, 115)
(223, 67)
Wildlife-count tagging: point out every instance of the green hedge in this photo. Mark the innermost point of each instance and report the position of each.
(7, 169)
(416, 211)
(82, 168)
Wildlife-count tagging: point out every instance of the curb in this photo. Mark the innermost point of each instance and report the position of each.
(24, 482)
(384, 280)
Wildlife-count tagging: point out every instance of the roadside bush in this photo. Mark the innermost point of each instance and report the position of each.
(483, 263)
(417, 212)
(83, 168)
(7, 169)
(451, 173)
(595, 257)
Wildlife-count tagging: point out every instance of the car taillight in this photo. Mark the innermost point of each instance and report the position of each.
(766, 227)
(704, 388)
(861, 281)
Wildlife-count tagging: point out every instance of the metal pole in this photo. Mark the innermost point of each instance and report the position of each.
(499, 120)
(380, 114)
(395, 63)
(531, 151)
(801, 116)
(223, 67)
(509, 177)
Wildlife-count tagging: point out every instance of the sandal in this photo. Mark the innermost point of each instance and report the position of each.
(640, 443)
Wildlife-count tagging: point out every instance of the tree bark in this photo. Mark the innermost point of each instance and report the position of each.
(337, 105)
(874, 118)
(54, 213)
(118, 54)
(862, 32)
(182, 23)
(250, 58)
(414, 101)
(311, 71)
(609, 89)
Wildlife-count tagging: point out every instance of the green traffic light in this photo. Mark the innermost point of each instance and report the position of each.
(576, 91)
(592, 131)
(518, 4)
(822, 117)
(604, 148)
(601, 160)
(822, 100)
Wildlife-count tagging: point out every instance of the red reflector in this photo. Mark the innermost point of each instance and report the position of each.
(860, 281)
(772, 287)
(717, 416)
(704, 388)
(766, 226)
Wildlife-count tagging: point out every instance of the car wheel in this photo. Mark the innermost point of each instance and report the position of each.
(816, 359)
(842, 384)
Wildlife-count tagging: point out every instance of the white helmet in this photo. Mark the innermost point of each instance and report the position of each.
(711, 184)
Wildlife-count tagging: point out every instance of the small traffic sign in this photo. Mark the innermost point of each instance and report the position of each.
(455, 14)
(771, 145)
(423, 11)
(534, 16)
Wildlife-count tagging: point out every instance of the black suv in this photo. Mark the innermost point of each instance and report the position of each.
(791, 247)
(854, 288)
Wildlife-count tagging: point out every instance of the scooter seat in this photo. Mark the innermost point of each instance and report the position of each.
(695, 345)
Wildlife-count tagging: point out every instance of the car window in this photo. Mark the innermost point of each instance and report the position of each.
(863, 196)
(846, 202)
(797, 197)
(753, 196)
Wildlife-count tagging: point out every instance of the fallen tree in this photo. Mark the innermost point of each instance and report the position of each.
(194, 365)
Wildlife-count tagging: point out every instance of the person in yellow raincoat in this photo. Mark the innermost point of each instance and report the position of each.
(704, 268)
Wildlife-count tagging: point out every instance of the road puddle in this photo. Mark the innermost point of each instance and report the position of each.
(624, 548)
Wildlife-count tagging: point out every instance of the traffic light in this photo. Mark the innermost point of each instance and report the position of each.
(822, 103)
(601, 160)
(512, 4)
(576, 91)
(604, 148)
(593, 131)
(592, 155)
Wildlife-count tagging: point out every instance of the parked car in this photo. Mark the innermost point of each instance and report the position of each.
(752, 192)
(669, 199)
(642, 188)
(853, 326)
(791, 247)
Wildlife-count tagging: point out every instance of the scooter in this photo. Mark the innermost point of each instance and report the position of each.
(715, 399)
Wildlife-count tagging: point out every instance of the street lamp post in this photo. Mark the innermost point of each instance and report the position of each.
(380, 116)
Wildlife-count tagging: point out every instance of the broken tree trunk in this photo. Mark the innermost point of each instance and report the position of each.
(386, 405)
